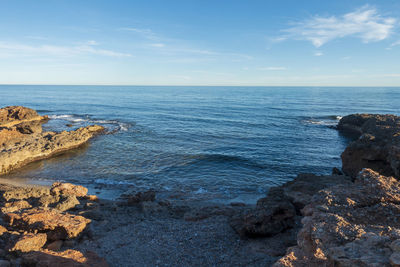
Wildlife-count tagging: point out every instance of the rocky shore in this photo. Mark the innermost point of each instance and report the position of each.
(344, 219)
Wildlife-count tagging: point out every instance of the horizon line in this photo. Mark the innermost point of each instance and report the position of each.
(195, 85)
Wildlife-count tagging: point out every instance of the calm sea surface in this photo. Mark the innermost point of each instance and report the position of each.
(225, 143)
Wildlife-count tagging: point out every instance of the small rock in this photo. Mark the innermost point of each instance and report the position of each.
(395, 245)
(29, 242)
(92, 198)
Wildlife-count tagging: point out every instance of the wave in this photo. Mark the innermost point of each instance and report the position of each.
(112, 182)
(120, 126)
(330, 120)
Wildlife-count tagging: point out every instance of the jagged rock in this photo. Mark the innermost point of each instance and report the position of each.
(350, 225)
(70, 258)
(29, 242)
(9, 192)
(57, 225)
(15, 206)
(2, 230)
(68, 189)
(67, 203)
(377, 146)
(46, 200)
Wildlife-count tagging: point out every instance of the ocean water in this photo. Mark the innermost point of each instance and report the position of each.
(219, 143)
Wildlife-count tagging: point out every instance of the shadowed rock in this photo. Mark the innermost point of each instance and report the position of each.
(377, 146)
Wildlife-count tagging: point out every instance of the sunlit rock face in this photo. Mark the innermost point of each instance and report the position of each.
(22, 140)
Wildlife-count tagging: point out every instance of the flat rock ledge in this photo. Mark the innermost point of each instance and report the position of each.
(22, 140)
(38, 228)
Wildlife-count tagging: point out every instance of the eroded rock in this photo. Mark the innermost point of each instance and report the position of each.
(68, 189)
(350, 225)
(29, 242)
(56, 224)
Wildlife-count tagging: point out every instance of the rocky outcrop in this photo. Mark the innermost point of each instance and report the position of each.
(13, 115)
(35, 218)
(354, 225)
(279, 210)
(22, 140)
(377, 145)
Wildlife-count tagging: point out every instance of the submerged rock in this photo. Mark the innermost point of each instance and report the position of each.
(377, 145)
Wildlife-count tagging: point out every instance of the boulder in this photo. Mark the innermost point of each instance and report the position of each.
(16, 114)
(68, 189)
(57, 225)
(66, 203)
(134, 198)
(15, 206)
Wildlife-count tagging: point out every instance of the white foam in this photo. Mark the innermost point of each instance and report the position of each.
(200, 191)
(72, 118)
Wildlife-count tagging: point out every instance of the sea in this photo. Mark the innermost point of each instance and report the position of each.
(214, 143)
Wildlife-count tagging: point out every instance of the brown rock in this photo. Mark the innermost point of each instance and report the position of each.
(15, 206)
(16, 114)
(10, 192)
(57, 225)
(29, 242)
(67, 203)
(68, 189)
(92, 198)
(36, 146)
(2, 230)
(68, 258)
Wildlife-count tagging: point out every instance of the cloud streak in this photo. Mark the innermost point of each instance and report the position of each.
(364, 23)
(16, 49)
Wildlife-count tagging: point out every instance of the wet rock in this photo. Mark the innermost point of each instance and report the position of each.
(336, 171)
(395, 259)
(377, 144)
(68, 189)
(29, 242)
(5, 263)
(73, 258)
(67, 203)
(202, 213)
(57, 225)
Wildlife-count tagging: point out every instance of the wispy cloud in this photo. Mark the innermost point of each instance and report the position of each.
(364, 23)
(146, 33)
(157, 45)
(15, 49)
(318, 54)
(273, 68)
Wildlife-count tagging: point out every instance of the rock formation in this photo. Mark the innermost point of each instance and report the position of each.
(356, 225)
(377, 145)
(35, 227)
(22, 140)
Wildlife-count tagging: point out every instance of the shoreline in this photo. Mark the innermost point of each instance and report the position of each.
(290, 226)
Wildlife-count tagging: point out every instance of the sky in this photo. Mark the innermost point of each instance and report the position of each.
(202, 42)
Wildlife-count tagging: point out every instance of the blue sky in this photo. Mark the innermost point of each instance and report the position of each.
(187, 42)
